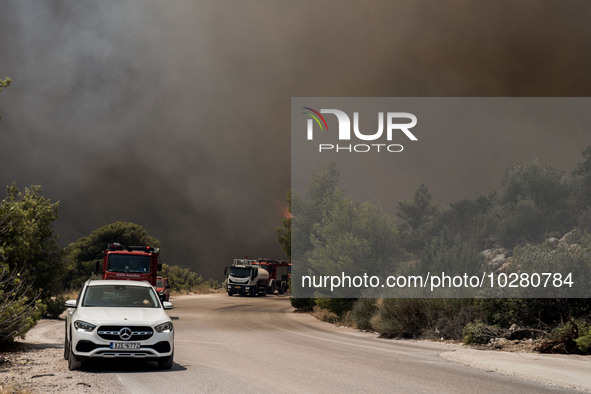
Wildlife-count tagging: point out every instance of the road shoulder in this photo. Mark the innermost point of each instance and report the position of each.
(568, 371)
(36, 364)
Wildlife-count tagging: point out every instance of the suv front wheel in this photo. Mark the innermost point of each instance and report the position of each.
(66, 345)
(166, 362)
(73, 362)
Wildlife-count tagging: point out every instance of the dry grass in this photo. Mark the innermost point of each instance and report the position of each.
(12, 389)
(71, 294)
(324, 314)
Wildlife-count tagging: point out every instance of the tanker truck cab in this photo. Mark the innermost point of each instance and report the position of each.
(246, 278)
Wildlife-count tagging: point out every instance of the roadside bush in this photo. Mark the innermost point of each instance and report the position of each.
(181, 279)
(324, 314)
(419, 317)
(55, 306)
(362, 312)
(302, 304)
(18, 312)
(584, 340)
(541, 313)
(401, 317)
(337, 306)
(571, 337)
(454, 314)
(479, 332)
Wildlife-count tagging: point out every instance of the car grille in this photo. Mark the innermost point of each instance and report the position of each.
(87, 346)
(138, 333)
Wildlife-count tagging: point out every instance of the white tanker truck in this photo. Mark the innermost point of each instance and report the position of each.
(246, 278)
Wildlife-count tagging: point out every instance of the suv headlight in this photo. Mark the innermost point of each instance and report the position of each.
(164, 327)
(80, 325)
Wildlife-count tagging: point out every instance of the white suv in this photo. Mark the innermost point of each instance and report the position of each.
(118, 318)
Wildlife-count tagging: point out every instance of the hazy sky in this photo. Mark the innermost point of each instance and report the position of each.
(176, 115)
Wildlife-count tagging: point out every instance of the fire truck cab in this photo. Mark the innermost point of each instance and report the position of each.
(130, 263)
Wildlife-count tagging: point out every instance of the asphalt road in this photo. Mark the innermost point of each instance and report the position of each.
(242, 344)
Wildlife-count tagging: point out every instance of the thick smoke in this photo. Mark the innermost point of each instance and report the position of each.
(175, 115)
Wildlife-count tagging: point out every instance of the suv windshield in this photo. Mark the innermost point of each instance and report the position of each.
(120, 296)
(240, 272)
(128, 263)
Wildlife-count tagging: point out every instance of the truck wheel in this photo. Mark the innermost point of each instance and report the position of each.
(282, 288)
(73, 362)
(271, 289)
(230, 293)
(166, 362)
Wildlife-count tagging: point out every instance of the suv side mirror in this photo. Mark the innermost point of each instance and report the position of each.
(71, 304)
(167, 305)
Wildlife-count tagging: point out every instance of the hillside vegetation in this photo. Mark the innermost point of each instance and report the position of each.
(541, 217)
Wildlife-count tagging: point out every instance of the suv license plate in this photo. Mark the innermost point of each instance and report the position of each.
(125, 345)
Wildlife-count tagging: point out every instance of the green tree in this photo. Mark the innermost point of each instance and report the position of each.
(355, 238)
(29, 243)
(81, 255)
(332, 233)
(284, 232)
(582, 186)
(309, 208)
(417, 212)
(22, 221)
(584, 171)
(4, 83)
(535, 200)
(545, 186)
(19, 311)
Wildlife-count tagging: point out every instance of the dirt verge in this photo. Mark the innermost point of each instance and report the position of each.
(37, 365)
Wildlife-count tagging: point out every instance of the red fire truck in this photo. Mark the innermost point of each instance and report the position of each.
(279, 274)
(130, 263)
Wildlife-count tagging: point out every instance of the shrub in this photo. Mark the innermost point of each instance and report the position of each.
(479, 332)
(18, 312)
(302, 304)
(454, 314)
(337, 306)
(416, 317)
(560, 340)
(181, 279)
(362, 312)
(401, 317)
(324, 314)
(584, 340)
(55, 306)
(572, 337)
